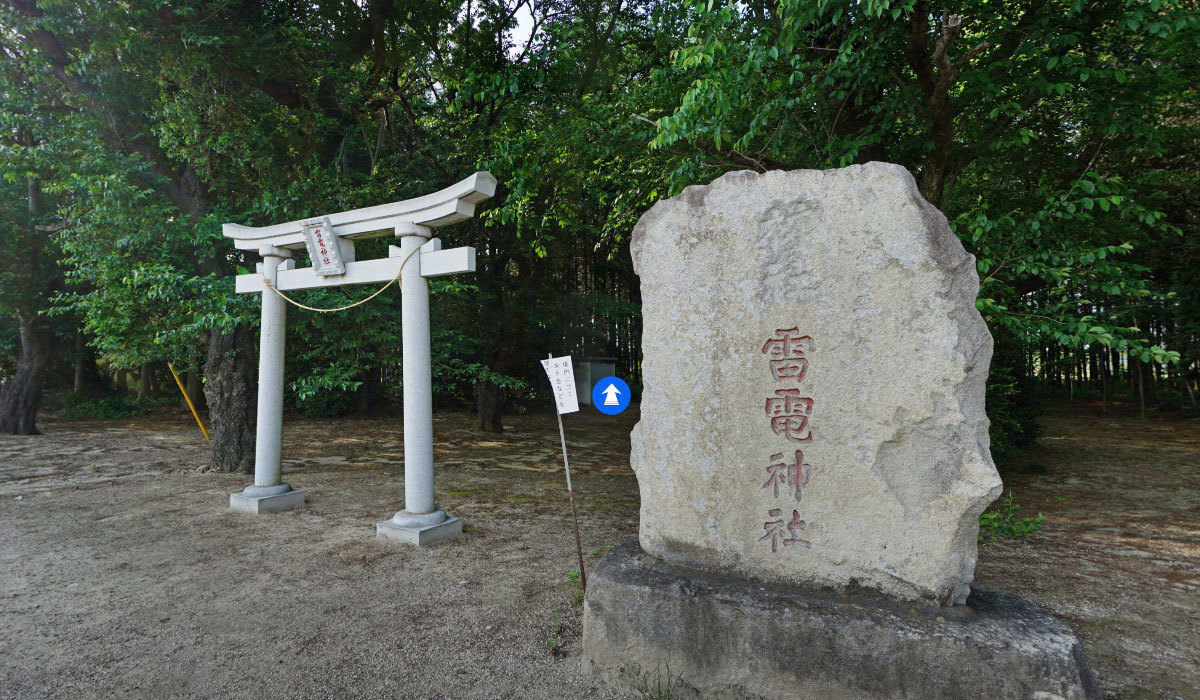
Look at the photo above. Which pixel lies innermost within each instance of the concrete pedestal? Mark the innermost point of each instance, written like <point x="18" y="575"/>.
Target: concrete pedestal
<point x="647" y="621"/>
<point x="422" y="529"/>
<point x="266" y="499"/>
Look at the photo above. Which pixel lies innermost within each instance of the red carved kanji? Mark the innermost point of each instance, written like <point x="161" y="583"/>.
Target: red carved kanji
<point x="794" y="475"/>
<point x="789" y="414"/>
<point x="787" y="349"/>
<point x="775" y="530"/>
<point x="791" y="368"/>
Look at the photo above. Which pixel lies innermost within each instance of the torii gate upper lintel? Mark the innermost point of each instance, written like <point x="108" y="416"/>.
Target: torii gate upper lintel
<point x="411" y="221"/>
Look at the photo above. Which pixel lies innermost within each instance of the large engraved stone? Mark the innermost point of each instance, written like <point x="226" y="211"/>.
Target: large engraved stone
<point x="814" y="372"/>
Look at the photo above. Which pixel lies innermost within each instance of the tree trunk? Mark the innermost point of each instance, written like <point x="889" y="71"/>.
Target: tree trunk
<point x="231" y="390"/>
<point x="163" y="381"/>
<point x="80" y="371"/>
<point x="364" y="398"/>
<point x="21" y="394"/>
<point x="88" y="380"/>
<point x="1103" y="387"/>
<point x="1183" y="374"/>
<point x="145" y="381"/>
<point x="489" y="396"/>
<point x="489" y="403"/>
<point x="123" y="380"/>
<point x="1141" y="387"/>
<point x="192" y="384"/>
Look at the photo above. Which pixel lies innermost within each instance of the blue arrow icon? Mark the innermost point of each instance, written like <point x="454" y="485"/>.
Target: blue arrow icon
<point x="610" y="396"/>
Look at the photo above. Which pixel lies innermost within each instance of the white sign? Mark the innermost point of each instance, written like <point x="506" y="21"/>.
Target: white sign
<point x="562" y="380"/>
<point x="323" y="247"/>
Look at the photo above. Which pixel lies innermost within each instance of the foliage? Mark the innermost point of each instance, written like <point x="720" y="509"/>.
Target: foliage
<point x="1020" y="121"/>
<point x="1012" y="412"/>
<point x="1011" y="401"/>
<point x="1002" y="521"/>
<point x="1058" y="138"/>
<point x="76" y="405"/>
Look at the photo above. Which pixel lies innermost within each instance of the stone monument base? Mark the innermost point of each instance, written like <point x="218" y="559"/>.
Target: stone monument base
<point x="421" y="535"/>
<point x="266" y="499"/>
<point x="649" y="623"/>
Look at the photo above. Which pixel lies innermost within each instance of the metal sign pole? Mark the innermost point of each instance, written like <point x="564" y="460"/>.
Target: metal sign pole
<point x="570" y="493"/>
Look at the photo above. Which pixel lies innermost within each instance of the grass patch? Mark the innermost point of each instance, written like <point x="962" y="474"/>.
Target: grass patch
<point x="656" y="685"/>
<point x="459" y="494"/>
<point x="576" y="584"/>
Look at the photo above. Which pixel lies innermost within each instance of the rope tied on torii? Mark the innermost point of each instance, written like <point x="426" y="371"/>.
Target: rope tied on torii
<point x="330" y="242"/>
<point x="267" y="283"/>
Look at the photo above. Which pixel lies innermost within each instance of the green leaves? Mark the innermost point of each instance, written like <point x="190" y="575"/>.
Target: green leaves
<point x="1056" y="143"/>
<point x="1002" y="521"/>
<point x="1037" y="115"/>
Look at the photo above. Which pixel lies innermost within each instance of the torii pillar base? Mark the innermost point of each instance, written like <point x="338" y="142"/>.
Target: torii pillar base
<point x="266" y="499"/>
<point x="421" y="530"/>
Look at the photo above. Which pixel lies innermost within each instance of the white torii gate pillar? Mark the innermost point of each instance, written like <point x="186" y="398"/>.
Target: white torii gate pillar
<point x="420" y="523"/>
<point x="267" y="494"/>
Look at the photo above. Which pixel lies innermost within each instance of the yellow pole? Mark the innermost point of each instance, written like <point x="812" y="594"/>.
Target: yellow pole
<point x="189" y="402"/>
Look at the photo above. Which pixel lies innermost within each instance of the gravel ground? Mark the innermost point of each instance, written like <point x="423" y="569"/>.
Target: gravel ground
<point x="125" y="574"/>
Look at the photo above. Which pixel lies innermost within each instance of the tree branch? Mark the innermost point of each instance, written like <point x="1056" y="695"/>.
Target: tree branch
<point x="729" y="155"/>
<point x="124" y="132"/>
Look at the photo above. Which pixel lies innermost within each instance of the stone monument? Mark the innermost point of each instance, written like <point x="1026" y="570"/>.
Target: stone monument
<point x="813" y="454"/>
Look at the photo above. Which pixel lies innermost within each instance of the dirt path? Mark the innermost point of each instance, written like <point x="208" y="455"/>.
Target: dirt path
<point x="124" y="574"/>
<point x="1119" y="558"/>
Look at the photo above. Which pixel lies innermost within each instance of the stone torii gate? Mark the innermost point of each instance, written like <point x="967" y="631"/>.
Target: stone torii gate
<point x="330" y="241"/>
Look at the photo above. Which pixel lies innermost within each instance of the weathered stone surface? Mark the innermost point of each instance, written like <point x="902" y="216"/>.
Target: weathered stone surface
<point x="422" y="535"/>
<point x="289" y="498"/>
<point x="729" y="638"/>
<point x="895" y="365"/>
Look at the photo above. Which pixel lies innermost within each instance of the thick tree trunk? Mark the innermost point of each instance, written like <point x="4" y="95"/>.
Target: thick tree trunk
<point x="489" y="396"/>
<point x="21" y="393"/>
<point x="489" y="403"/>
<point x="123" y="380"/>
<point x="231" y="388"/>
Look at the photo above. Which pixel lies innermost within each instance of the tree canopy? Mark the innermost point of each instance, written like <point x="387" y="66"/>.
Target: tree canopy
<point x="1059" y="137"/>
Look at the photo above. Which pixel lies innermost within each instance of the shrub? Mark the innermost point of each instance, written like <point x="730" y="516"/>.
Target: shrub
<point x="83" y="406"/>
<point x="1002" y="521"/>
